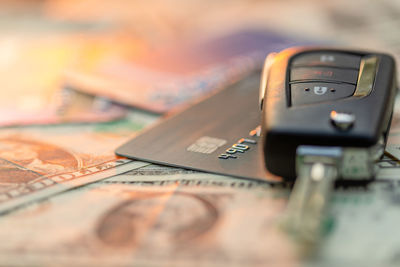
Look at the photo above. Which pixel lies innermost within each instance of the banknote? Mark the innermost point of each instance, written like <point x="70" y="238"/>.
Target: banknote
<point x="362" y="230"/>
<point x="360" y="23"/>
<point x="163" y="77"/>
<point x="31" y="80"/>
<point x="388" y="168"/>
<point x="201" y="223"/>
<point x="124" y="224"/>
<point x="156" y="175"/>
<point x="36" y="162"/>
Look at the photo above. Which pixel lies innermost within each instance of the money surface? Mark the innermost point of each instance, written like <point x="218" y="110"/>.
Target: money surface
<point x="163" y="216"/>
<point x="40" y="161"/>
<point x="125" y="224"/>
<point x="166" y="216"/>
<point x="155" y="175"/>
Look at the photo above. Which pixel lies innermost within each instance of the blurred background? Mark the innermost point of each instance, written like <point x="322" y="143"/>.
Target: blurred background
<point x="99" y="71"/>
<point x="85" y="61"/>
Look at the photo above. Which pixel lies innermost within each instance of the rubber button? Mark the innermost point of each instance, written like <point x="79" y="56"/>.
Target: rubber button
<point x="330" y="59"/>
<point x="324" y="74"/>
<point x="314" y="92"/>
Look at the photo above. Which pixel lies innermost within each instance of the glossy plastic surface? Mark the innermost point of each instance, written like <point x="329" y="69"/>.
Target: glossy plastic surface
<point x="286" y="126"/>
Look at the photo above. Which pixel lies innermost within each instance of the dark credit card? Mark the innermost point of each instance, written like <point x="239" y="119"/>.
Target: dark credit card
<point x="216" y="135"/>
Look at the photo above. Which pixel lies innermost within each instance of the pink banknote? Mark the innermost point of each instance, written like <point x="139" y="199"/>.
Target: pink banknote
<point x="160" y="78"/>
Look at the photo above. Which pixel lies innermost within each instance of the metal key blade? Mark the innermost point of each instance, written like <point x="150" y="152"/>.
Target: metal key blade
<point x="317" y="171"/>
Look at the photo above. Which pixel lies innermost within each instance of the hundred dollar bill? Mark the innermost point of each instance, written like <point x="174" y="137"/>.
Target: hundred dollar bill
<point x="155" y="175"/>
<point x="125" y="225"/>
<point x="36" y="162"/>
<point x="363" y="227"/>
<point x="114" y="222"/>
<point x="361" y="216"/>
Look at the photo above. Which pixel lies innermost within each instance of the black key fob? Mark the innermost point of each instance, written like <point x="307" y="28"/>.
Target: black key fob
<point x="324" y="97"/>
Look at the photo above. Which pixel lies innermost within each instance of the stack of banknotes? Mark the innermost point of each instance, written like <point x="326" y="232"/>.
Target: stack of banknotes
<point x="75" y="85"/>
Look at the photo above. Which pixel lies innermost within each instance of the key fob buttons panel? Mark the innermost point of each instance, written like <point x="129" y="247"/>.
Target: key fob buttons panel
<point x="314" y="92"/>
<point x="324" y="76"/>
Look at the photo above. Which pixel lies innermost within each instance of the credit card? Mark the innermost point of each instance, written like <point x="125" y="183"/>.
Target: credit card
<point x="216" y="135"/>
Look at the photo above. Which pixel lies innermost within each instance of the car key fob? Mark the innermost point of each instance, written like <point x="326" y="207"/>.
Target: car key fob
<point x="324" y="97"/>
<point x="326" y="116"/>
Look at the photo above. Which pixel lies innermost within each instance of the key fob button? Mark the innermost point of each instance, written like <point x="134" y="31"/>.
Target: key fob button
<point x="324" y="74"/>
<point x="314" y="92"/>
<point x="330" y="59"/>
<point x="341" y="120"/>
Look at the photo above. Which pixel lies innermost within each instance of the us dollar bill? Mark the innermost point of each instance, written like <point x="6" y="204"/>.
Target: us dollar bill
<point x="127" y="224"/>
<point x="205" y="221"/>
<point x="156" y="175"/>
<point x="36" y="162"/>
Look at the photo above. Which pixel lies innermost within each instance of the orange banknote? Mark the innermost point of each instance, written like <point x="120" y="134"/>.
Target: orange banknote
<point x="32" y="89"/>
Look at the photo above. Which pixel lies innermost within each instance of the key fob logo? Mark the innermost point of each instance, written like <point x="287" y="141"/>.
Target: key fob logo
<point x="320" y="90"/>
